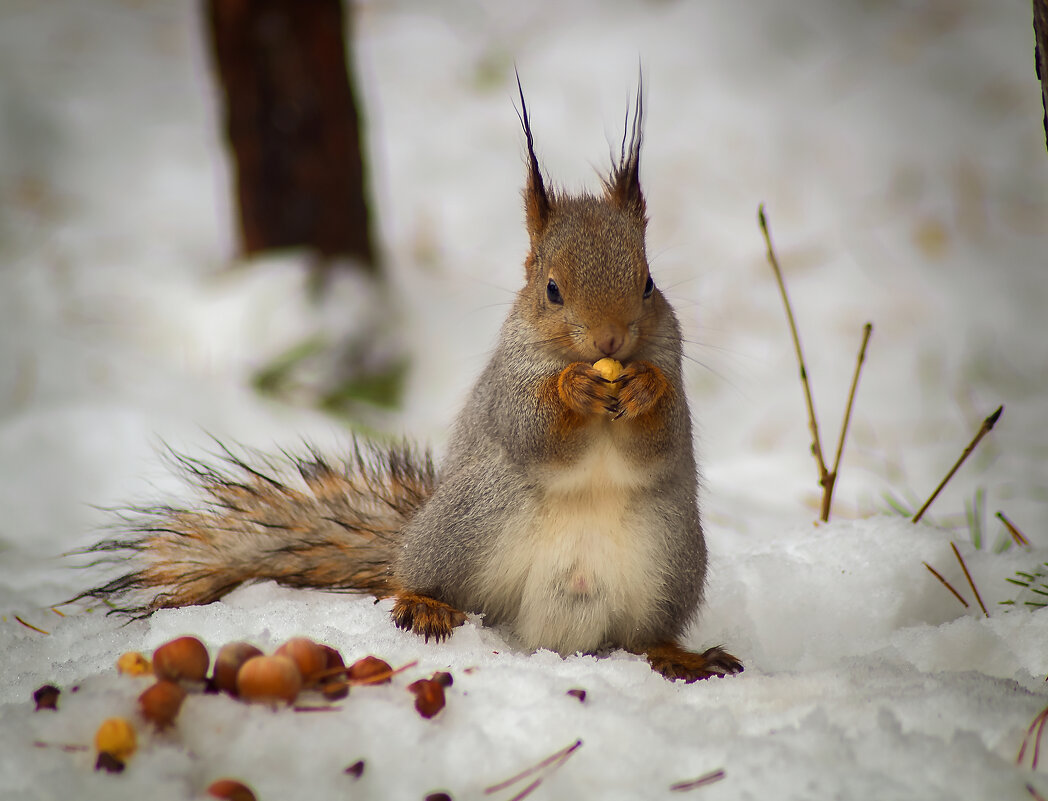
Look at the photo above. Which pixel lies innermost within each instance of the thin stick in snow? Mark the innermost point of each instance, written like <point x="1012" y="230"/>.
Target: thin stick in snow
<point x="831" y="478"/>
<point x="987" y="426"/>
<point x="813" y="424"/>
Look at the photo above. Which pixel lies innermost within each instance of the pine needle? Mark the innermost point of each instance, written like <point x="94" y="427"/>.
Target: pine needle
<point x="1017" y="535"/>
<point x="946" y="584"/>
<point x="968" y="576"/>
<point x="553" y="762"/>
<point x="30" y="625"/>
<point x="702" y="781"/>
<point x="1038" y="723"/>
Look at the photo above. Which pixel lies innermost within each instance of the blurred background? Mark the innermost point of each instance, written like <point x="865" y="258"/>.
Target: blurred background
<point x="271" y="220"/>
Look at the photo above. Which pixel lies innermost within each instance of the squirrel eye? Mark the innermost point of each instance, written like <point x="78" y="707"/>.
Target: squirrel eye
<point x="649" y="287"/>
<point x="553" y="293"/>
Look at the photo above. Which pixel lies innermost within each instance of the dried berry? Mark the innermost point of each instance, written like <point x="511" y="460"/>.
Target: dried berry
<point x="228" y="662"/>
<point x="444" y="678"/>
<point x="310" y="657"/>
<point x="577" y="693"/>
<point x="370" y="670"/>
<point x="160" y="703"/>
<point x="269" y="678"/>
<point x="134" y="663"/>
<point x="429" y="696"/>
<point x="356" y="770"/>
<point x="438" y="797"/>
<point x="231" y="790"/>
<point x="184" y="658"/>
<point x="46" y="697"/>
<point x="116" y="737"/>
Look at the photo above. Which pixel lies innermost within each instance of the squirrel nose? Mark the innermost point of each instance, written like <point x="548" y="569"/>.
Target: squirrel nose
<point x="609" y="341"/>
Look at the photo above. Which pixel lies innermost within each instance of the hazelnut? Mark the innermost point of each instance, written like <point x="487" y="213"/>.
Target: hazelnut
<point x="231" y="790"/>
<point x="184" y="658"/>
<point x="133" y="663"/>
<point x="228" y="662"/>
<point x="116" y="737"/>
<point x="160" y="703"/>
<point x="310" y="657"/>
<point x="269" y="678"/>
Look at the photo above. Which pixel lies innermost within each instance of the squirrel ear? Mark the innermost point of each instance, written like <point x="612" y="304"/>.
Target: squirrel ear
<point x="538" y="203"/>
<point x="623" y="185"/>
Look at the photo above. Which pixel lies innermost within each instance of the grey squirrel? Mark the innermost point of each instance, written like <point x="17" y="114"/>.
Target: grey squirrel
<point x="565" y="510"/>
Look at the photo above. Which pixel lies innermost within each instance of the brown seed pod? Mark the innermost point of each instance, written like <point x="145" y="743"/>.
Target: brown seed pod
<point x="310" y="657"/>
<point x="370" y="670"/>
<point x="134" y="663"/>
<point x="116" y="737"/>
<point x="228" y="662"/>
<point x="429" y="696"/>
<point x="160" y="703"/>
<point x="269" y="678"/>
<point x="183" y="658"/>
<point x="231" y="790"/>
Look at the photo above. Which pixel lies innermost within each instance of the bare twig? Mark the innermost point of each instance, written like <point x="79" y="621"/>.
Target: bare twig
<point x="1036" y="796"/>
<point x="986" y="427"/>
<point x="702" y="781"/>
<point x="553" y="761"/>
<point x="946" y="584"/>
<point x="831" y="477"/>
<point x="1017" y="536"/>
<point x="30" y="625"/>
<point x="968" y="576"/>
<point x="816" y="445"/>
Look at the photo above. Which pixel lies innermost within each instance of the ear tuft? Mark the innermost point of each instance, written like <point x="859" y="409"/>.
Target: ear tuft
<point x="538" y="202"/>
<point x="623" y="185"/>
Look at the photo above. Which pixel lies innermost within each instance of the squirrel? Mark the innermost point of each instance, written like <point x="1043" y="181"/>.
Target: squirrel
<point x="566" y="507"/>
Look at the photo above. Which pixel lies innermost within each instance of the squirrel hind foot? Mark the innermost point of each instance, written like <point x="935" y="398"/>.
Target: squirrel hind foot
<point x="674" y="662"/>
<point x="427" y="617"/>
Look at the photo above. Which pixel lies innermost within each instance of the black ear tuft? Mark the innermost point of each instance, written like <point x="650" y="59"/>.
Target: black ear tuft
<point x="623" y="185"/>
<point x="537" y="201"/>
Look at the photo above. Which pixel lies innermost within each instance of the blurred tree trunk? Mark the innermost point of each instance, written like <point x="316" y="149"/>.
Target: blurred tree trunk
<point x="1040" y="54"/>
<point x="292" y="124"/>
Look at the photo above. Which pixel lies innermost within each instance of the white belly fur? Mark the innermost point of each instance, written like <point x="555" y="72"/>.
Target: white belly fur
<point x="577" y="568"/>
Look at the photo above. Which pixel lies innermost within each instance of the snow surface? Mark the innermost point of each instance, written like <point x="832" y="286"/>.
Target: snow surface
<point x="899" y="151"/>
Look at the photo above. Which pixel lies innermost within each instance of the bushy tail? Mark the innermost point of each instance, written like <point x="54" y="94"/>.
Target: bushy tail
<point x="302" y="521"/>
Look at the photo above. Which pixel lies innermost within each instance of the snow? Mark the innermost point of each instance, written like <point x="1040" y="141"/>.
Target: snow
<point x="899" y="151"/>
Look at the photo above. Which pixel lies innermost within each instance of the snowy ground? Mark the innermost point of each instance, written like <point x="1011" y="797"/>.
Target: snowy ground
<point x="899" y="151"/>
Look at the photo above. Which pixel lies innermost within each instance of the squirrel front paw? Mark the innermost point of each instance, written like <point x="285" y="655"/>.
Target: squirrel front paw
<point x="425" y="616"/>
<point x="584" y="391"/>
<point x="639" y="388"/>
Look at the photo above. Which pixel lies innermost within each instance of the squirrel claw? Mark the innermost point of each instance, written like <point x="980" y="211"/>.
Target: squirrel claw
<point x="675" y="662"/>
<point x="425" y="616"/>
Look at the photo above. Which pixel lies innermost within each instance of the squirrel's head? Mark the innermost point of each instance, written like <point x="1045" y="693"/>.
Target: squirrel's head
<point x="589" y="291"/>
